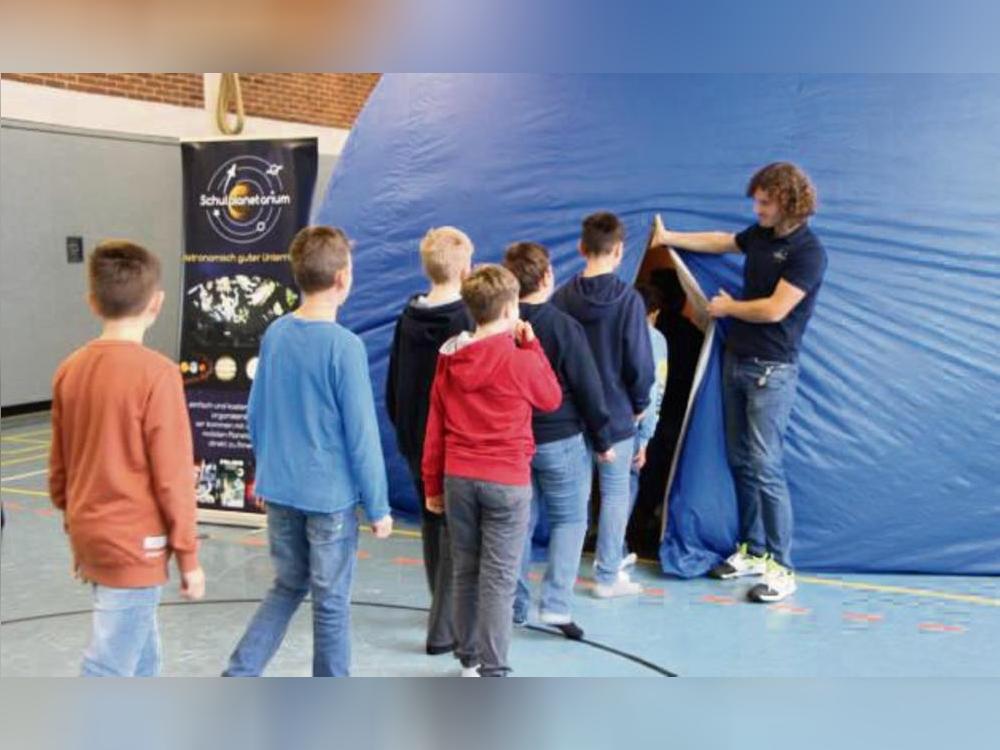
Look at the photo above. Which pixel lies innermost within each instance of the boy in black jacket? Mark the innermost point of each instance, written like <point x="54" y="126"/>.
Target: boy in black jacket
<point x="561" y="470"/>
<point x="614" y="319"/>
<point x="425" y="324"/>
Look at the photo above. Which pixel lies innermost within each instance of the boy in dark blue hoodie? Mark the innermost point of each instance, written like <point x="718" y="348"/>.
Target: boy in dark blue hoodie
<point x="614" y="319"/>
<point x="427" y="321"/>
<point x="561" y="467"/>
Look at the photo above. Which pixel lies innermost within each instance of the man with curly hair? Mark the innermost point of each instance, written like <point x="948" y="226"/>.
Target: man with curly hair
<point x="782" y="274"/>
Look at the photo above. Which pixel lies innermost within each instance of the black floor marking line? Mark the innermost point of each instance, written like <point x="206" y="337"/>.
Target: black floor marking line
<point x="663" y="672"/>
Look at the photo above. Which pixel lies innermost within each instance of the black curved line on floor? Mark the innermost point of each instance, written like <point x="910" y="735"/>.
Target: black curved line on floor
<point x="663" y="672"/>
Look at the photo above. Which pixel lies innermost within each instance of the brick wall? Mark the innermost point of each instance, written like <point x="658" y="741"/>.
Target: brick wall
<point x="183" y="89"/>
<point x="332" y="99"/>
<point x="317" y="98"/>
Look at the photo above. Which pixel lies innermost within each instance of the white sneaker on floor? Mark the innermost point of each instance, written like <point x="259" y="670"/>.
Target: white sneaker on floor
<point x="551" y="618"/>
<point x="629" y="561"/>
<point x="472" y="671"/>
<point x="779" y="583"/>
<point x="623" y="586"/>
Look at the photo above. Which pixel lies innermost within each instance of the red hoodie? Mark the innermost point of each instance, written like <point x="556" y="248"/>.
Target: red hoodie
<point x="479" y="425"/>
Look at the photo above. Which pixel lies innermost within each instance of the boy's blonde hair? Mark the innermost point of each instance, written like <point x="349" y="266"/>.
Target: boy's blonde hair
<point x="487" y="290"/>
<point x="445" y="252"/>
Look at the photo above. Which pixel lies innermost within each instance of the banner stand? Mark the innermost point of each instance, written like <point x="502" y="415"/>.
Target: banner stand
<point x="243" y="202"/>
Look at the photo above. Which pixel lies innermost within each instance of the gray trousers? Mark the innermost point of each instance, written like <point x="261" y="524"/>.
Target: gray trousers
<point x="487" y="523"/>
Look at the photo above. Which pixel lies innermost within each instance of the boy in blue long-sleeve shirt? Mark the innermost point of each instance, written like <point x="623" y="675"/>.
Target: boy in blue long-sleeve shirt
<point x="313" y="427"/>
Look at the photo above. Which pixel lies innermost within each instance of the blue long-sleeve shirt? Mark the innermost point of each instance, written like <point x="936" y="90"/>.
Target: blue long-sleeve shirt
<point x="647" y="425"/>
<point x="312" y="420"/>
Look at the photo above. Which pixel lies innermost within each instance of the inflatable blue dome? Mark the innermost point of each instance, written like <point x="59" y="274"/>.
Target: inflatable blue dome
<point x="893" y="453"/>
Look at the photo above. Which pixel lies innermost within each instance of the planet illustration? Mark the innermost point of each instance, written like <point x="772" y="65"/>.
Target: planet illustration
<point x="239" y="211"/>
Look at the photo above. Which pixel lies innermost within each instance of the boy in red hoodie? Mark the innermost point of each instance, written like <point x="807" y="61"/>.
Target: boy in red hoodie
<point x="477" y="460"/>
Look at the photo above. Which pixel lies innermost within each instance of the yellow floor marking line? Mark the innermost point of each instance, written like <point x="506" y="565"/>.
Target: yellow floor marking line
<point x="39" y="457"/>
<point x="23" y="441"/>
<point x="27" y="449"/>
<point x="32" y="433"/>
<point x="884" y="588"/>
<point x="18" y="491"/>
<point x="24" y="476"/>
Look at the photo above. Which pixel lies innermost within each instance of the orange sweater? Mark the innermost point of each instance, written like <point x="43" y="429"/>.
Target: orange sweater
<point x="122" y="465"/>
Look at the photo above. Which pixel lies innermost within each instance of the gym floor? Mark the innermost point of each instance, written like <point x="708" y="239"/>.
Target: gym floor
<point x="871" y="625"/>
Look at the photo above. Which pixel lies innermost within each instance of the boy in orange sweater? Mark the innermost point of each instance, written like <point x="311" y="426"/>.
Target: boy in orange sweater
<point x="121" y="465"/>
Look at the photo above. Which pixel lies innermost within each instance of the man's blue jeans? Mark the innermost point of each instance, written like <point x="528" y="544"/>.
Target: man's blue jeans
<point x="758" y="402"/>
<point x="312" y="553"/>
<point x="125" y="640"/>
<point x="560" y="481"/>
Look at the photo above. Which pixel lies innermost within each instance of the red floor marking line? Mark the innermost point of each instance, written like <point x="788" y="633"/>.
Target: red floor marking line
<point x="585" y="583"/>
<point x="533" y="576"/>
<point x="654" y="592"/>
<point x="45" y="512"/>
<point x="407" y="561"/>
<point x="940" y="627"/>
<point x="253" y="541"/>
<point x="723" y="600"/>
<point x="790" y="609"/>
<point x="363" y="554"/>
<point x="862" y="617"/>
<point x="12" y="505"/>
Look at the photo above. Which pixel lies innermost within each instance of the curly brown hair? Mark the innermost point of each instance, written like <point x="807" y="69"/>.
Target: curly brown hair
<point x="789" y="186"/>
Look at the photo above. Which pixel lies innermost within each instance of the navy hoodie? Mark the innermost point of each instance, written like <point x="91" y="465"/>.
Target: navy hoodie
<point x="420" y="333"/>
<point x="583" y="406"/>
<point x="614" y="319"/>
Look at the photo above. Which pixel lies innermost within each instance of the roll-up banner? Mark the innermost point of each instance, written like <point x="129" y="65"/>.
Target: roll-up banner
<point x="244" y="200"/>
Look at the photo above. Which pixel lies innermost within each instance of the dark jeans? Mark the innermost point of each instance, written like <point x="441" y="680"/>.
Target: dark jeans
<point x="488" y="523"/>
<point x="311" y="552"/>
<point x="437" y="566"/>
<point x="758" y="401"/>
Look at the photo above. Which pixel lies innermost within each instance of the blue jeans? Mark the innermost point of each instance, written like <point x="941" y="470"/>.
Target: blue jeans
<point x="560" y="482"/>
<point x="633" y="490"/>
<point x="758" y="402"/>
<point x="312" y="553"/>
<point x="126" y="639"/>
<point x="615" y="481"/>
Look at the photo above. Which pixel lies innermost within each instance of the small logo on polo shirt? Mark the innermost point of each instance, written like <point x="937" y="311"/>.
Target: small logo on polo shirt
<point x="780" y="256"/>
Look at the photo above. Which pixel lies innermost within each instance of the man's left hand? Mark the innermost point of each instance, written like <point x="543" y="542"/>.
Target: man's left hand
<point x="720" y="305"/>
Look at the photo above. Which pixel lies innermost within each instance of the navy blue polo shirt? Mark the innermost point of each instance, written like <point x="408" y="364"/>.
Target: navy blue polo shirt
<point x="799" y="259"/>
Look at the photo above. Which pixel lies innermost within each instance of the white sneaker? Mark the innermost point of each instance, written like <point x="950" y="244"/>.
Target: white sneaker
<point x="739" y="564"/>
<point x="629" y="561"/>
<point x="779" y="583"/>
<point x="551" y="618"/>
<point x="623" y="586"/>
<point x="472" y="671"/>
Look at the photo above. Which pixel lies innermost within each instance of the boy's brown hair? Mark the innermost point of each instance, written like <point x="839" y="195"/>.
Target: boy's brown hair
<point x="528" y="261"/>
<point x="487" y="289"/>
<point x="789" y="186"/>
<point x="123" y="277"/>
<point x="318" y="254"/>
<point x="445" y="252"/>
<point x="601" y="232"/>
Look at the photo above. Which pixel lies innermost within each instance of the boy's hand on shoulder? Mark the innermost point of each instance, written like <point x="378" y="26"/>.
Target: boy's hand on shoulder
<point x="435" y="504"/>
<point x="382" y="528"/>
<point x="193" y="584"/>
<point x="523" y="333"/>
